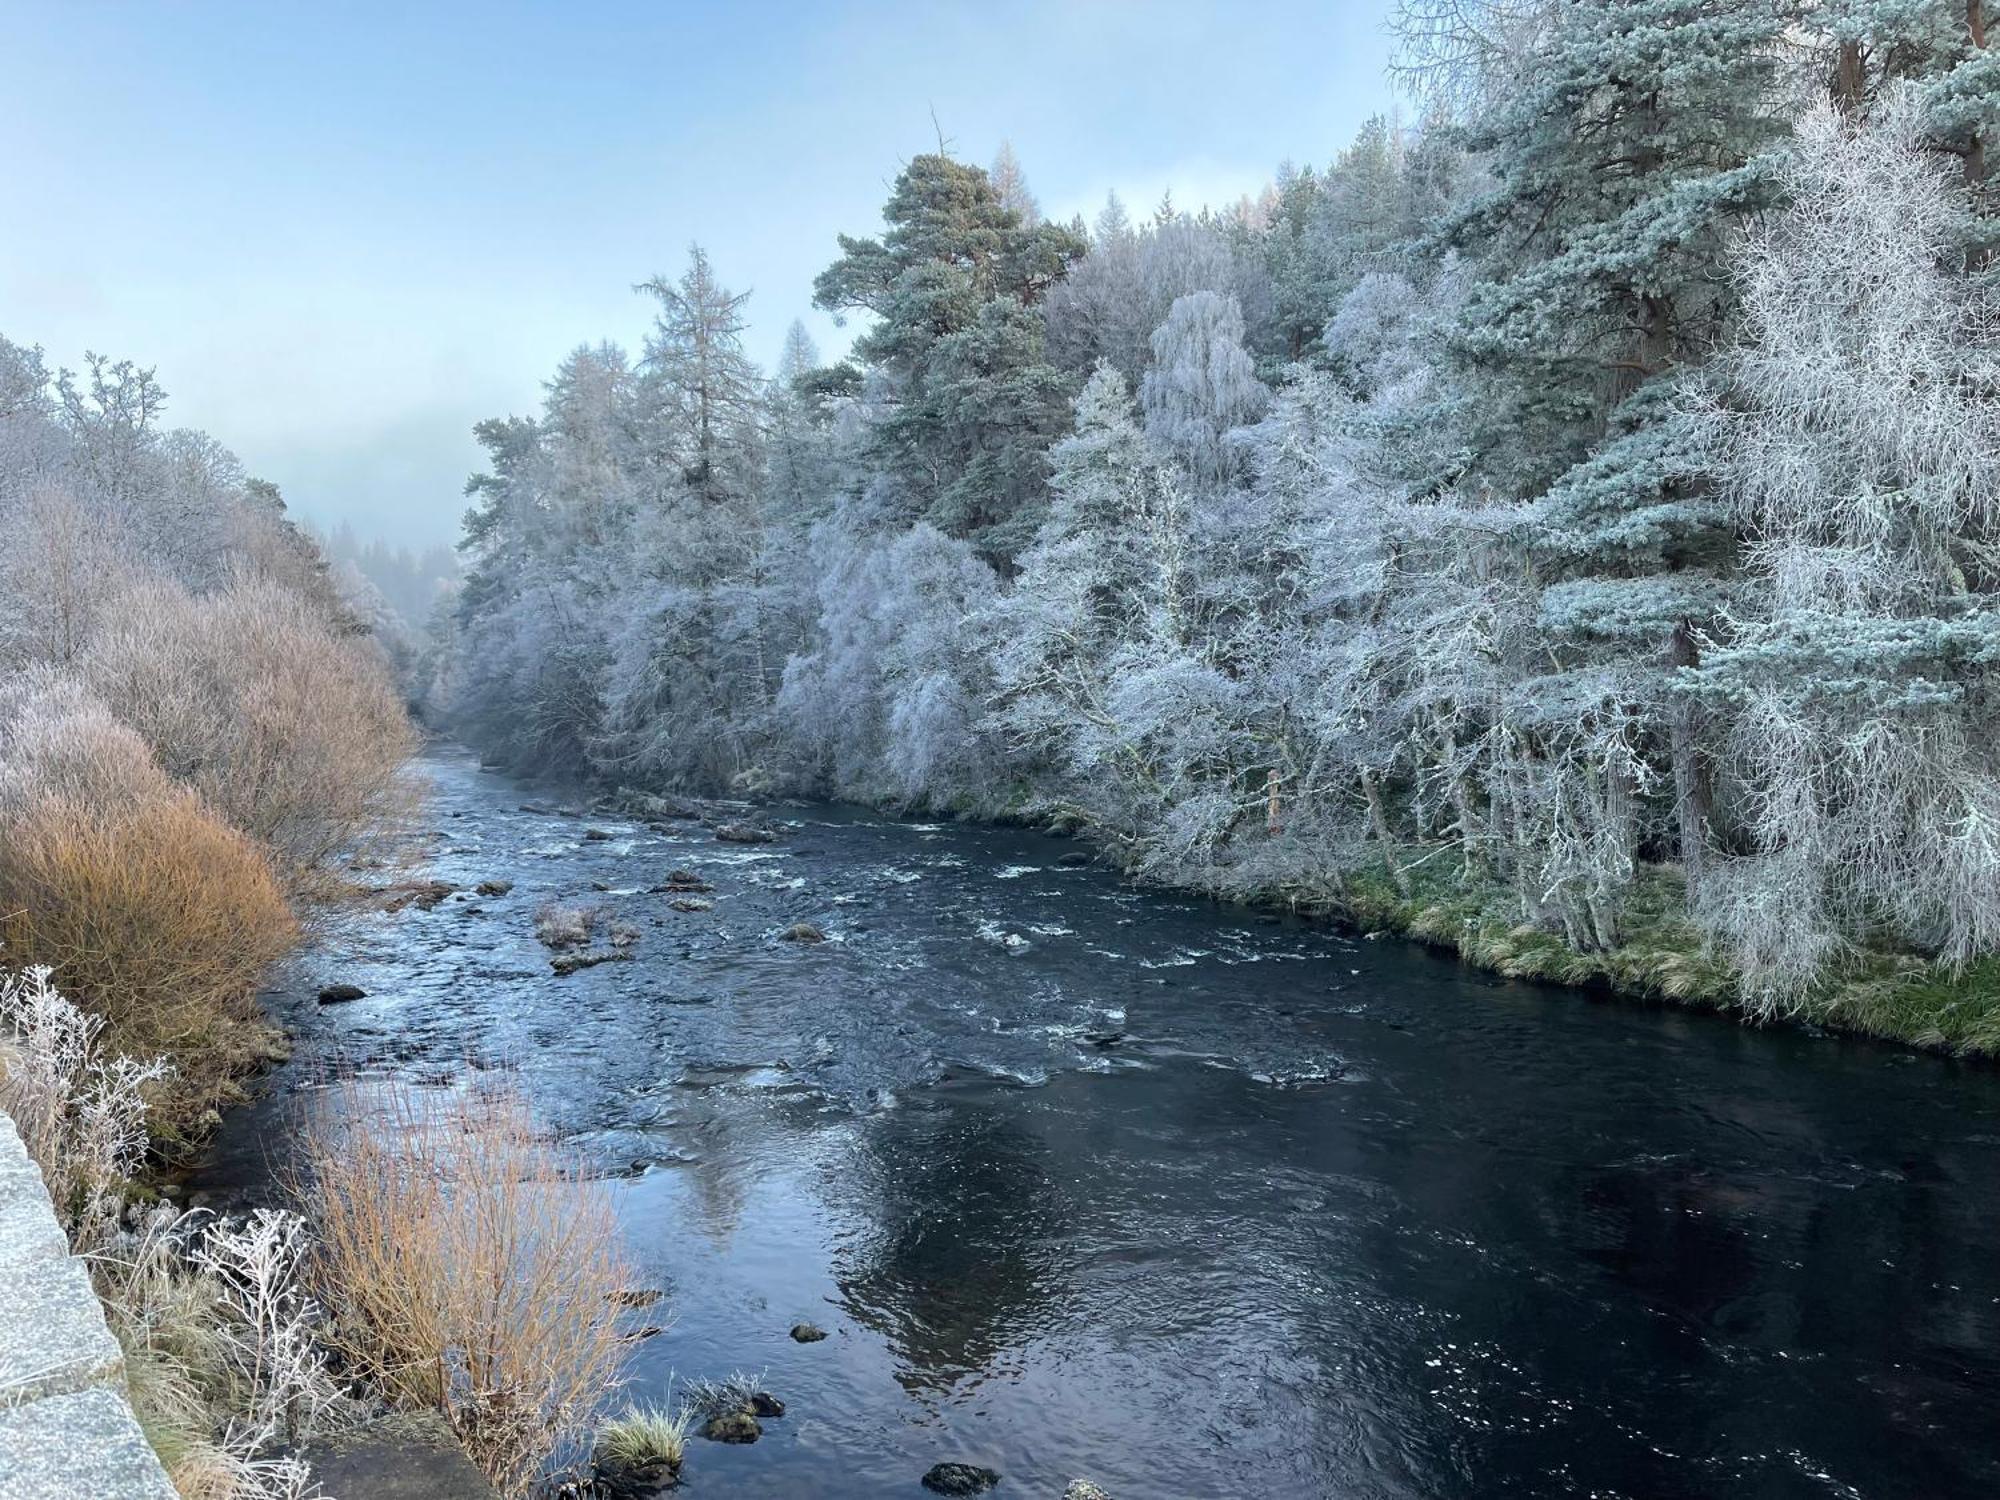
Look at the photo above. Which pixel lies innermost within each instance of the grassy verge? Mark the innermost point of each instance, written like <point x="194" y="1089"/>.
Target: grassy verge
<point x="1895" y="997"/>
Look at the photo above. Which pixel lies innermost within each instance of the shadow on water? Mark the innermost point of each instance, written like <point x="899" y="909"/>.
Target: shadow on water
<point x="1090" y="1181"/>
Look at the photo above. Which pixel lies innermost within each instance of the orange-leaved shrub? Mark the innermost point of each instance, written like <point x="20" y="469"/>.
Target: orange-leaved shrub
<point x="471" y="1265"/>
<point x="154" y="913"/>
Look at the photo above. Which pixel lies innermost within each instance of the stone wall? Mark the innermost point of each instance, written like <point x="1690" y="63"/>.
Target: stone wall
<point x="66" y="1425"/>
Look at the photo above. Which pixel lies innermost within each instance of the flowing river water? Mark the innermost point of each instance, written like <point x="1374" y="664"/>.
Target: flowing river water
<point x="1091" y="1181"/>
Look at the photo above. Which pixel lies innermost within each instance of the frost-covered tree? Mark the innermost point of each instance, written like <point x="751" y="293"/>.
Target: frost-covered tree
<point x="1106" y="309"/>
<point x="1201" y="387"/>
<point x="1856" y="435"/>
<point x="887" y="704"/>
<point x="1010" y="186"/>
<point x="708" y="388"/>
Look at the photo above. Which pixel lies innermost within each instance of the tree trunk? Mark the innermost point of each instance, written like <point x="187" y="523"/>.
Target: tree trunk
<point x="1378" y="823"/>
<point x="1694" y="794"/>
<point x="1849" y="78"/>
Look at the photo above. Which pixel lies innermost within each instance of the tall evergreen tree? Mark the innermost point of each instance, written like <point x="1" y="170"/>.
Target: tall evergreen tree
<point x="968" y="400"/>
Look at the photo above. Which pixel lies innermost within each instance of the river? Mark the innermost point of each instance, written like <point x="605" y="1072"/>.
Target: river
<point x="1092" y="1181"/>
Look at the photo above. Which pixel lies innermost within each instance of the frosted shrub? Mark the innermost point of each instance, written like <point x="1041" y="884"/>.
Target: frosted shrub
<point x="251" y="696"/>
<point x="159" y="918"/>
<point x="81" y="1113"/>
<point x="222" y="1342"/>
<point x="218" y="1334"/>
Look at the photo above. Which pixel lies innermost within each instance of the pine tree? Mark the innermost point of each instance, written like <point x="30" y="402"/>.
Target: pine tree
<point x="968" y="401"/>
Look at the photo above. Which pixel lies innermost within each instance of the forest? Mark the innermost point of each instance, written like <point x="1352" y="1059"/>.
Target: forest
<point x="1562" y="528"/>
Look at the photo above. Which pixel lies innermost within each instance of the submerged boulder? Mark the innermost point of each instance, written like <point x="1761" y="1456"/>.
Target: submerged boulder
<point x="569" y="963"/>
<point x="960" y="1479"/>
<point x="733" y="1427"/>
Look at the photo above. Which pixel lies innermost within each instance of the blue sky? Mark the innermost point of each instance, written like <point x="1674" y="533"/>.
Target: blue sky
<point x="344" y="233"/>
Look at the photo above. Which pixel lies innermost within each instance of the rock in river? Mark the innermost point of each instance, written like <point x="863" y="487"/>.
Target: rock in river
<point x="808" y="1333"/>
<point x="959" y="1479"/>
<point x="733" y="1427"/>
<point x="764" y="1404"/>
<point x="619" y="1479"/>
<point x="569" y="963"/>
<point x="333" y="994"/>
<point x="743" y="833"/>
<point x="802" y="932"/>
<point x="494" y="887"/>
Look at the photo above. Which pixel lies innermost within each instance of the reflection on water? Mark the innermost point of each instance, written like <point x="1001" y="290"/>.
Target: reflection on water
<point x="1088" y="1181"/>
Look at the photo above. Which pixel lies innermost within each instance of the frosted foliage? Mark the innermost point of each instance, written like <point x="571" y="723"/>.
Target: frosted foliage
<point x="1578" y="500"/>
<point x="1202" y="386"/>
<point x="1854" y="435"/>
<point x="81" y="1113"/>
<point x="884" y="705"/>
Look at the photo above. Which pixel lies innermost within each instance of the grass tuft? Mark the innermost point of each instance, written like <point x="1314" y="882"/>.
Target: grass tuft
<point x="644" y="1436"/>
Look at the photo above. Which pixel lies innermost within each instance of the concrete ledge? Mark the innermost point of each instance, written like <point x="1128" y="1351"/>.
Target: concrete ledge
<point x="87" y="1443"/>
<point x="66" y="1424"/>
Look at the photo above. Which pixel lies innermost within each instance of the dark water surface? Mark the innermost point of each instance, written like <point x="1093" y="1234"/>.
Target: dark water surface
<point x="1090" y="1181"/>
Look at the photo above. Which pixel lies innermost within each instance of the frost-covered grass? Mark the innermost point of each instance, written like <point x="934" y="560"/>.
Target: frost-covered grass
<point x="645" y="1435"/>
<point x="1664" y="956"/>
<point x="219" y="1337"/>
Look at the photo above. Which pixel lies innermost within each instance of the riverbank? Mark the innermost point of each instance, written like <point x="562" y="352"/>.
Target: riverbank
<point x="1664" y="958"/>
